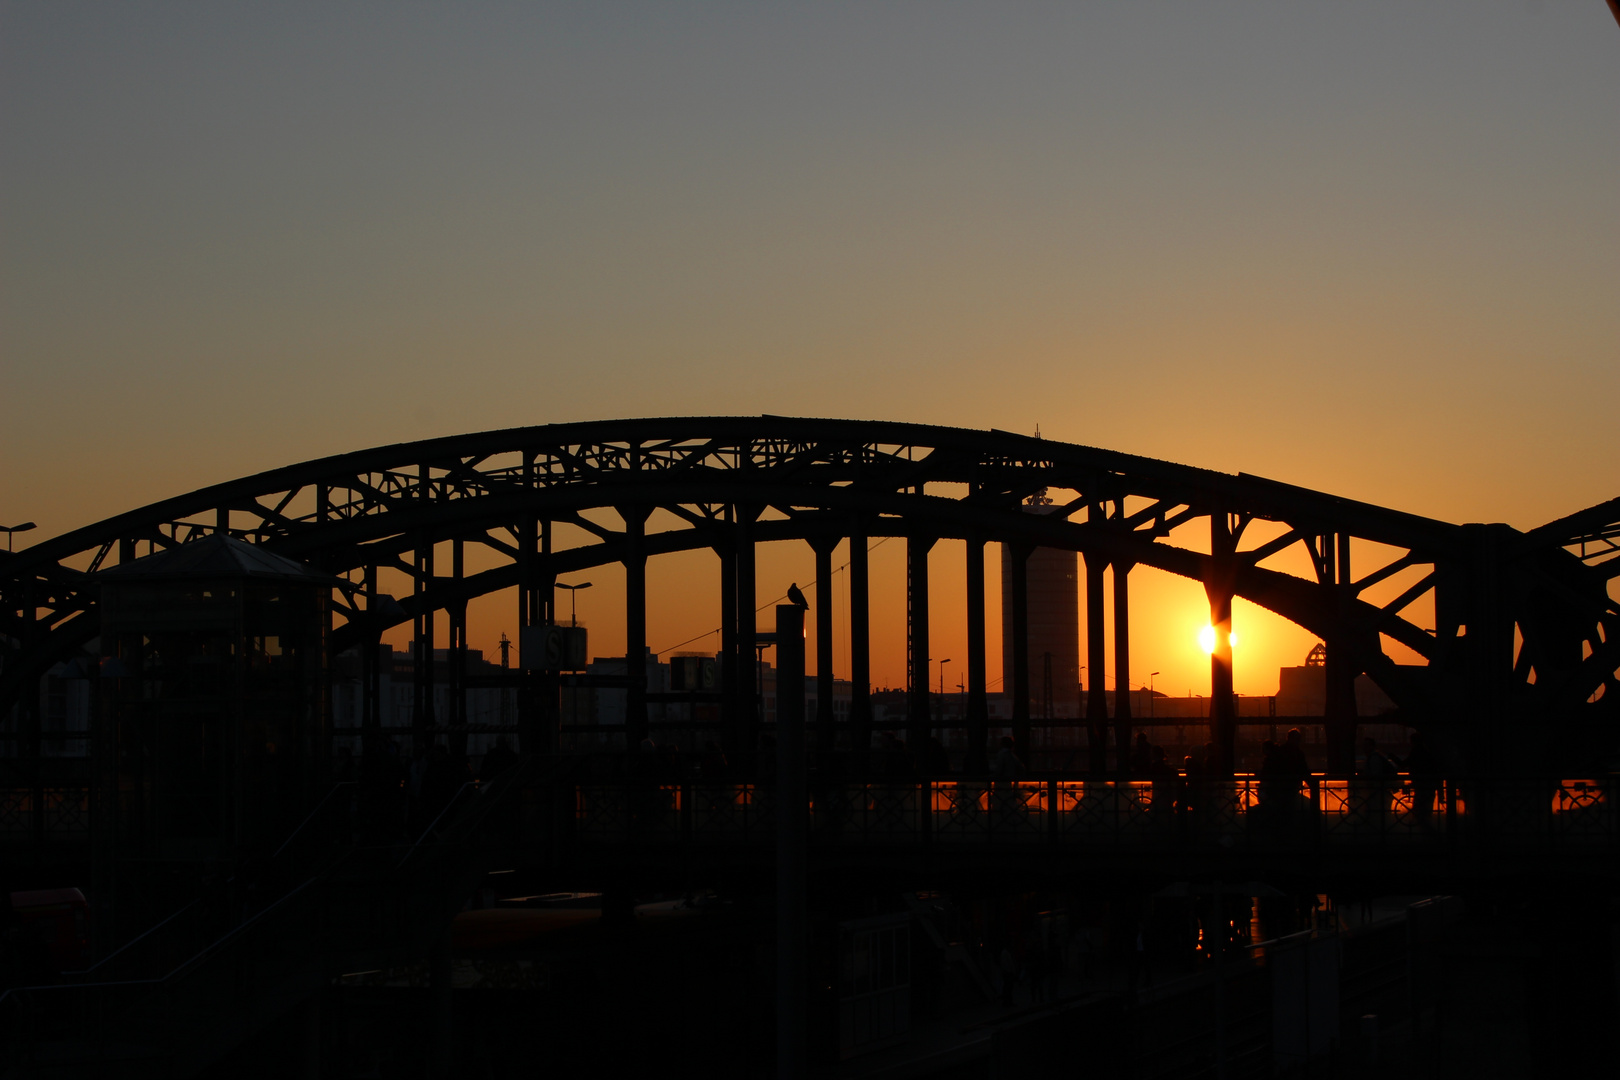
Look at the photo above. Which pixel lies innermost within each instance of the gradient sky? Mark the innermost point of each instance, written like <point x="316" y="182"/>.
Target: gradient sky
<point x="1368" y="248"/>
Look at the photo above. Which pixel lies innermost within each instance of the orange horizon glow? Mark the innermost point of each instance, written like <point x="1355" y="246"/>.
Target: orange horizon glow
<point x="1247" y="238"/>
<point x="683" y="604"/>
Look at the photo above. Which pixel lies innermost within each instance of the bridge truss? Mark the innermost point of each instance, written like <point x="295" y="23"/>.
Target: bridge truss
<point x="1513" y="632"/>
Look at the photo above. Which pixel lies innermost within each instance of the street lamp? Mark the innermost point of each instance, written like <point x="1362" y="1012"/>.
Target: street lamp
<point x="942" y="664"/>
<point x="1150" y="692"/>
<point x="9" y="529"/>
<point x="573" y="612"/>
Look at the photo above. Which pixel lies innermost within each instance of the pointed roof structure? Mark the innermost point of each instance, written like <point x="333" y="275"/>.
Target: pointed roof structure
<point x="216" y="556"/>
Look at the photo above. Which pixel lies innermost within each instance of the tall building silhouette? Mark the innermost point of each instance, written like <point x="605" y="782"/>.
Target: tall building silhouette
<point x="1053" y="581"/>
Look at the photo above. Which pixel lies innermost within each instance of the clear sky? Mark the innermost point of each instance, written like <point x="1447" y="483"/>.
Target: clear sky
<point x="1369" y="248"/>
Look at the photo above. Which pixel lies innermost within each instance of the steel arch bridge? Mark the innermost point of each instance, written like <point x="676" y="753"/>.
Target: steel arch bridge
<point x="1524" y="631"/>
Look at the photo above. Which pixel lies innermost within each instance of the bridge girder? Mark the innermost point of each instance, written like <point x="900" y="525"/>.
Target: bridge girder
<point x="807" y="479"/>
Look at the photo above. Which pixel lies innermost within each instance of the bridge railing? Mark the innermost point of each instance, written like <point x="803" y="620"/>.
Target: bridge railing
<point x="1243" y="811"/>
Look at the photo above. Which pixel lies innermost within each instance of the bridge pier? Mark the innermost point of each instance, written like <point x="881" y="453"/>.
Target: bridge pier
<point x="977" y="762"/>
<point x="1097" y="692"/>
<point x="1339" y="719"/>
<point x="457" y="610"/>
<point x="537" y="582"/>
<point x="1483" y="642"/>
<point x="545" y="607"/>
<point x="730" y="672"/>
<point x="919" y="725"/>
<point x="1122" y="665"/>
<point x="1020" y="553"/>
<point x="371" y="673"/>
<point x="635" y="625"/>
<point x="422" y="711"/>
<point x="824" y="546"/>
<point x="442" y="1025"/>
<point x="792" y="831"/>
<point x="1219" y="588"/>
<point x="1344" y="658"/>
<point x="860" y="646"/>
<point x="746" y="633"/>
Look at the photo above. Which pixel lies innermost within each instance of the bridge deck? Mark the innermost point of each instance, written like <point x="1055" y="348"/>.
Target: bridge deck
<point x="1334" y="827"/>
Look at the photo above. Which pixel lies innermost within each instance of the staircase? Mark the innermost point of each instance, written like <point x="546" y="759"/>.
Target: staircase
<point x="189" y="990"/>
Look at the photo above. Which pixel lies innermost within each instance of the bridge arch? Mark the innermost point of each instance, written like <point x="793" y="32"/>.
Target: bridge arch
<point x="733" y="482"/>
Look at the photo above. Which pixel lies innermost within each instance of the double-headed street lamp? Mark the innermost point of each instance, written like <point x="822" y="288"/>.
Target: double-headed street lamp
<point x="9" y="529"/>
<point x="573" y="590"/>
<point x="1150" y="692"/>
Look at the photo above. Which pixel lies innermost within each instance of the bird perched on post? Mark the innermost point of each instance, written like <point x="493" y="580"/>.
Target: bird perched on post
<point x="797" y="597"/>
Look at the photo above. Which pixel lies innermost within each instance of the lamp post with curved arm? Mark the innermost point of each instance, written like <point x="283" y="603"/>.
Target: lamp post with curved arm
<point x="9" y="529"/>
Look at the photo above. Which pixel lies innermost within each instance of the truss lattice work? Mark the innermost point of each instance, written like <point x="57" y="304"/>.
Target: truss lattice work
<point x="1524" y="628"/>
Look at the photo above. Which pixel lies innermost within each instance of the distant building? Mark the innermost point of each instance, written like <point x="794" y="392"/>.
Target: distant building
<point x="1302" y="691"/>
<point x="486" y="706"/>
<point x="1053" y="589"/>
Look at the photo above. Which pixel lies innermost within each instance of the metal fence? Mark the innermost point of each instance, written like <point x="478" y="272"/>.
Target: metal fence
<point x="1241" y="812"/>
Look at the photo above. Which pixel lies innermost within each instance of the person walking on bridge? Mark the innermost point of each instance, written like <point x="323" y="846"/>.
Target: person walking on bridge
<point x="1378" y="779"/>
<point x="1424" y="769"/>
<point x="1005" y="765"/>
<point x="1005" y="769"/>
<point x="1295" y="770"/>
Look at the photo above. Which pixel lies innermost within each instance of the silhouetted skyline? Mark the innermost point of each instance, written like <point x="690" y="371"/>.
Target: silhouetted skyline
<point x="1364" y="250"/>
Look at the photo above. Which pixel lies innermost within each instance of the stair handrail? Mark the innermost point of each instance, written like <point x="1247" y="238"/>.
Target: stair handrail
<point x="491" y="792"/>
<point x="236" y="931"/>
<point x="319" y="808"/>
<point x="449" y="805"/>
<point x="488" y="795"/>
<point x="84" y="975"/>
<point x="132" y="942"/>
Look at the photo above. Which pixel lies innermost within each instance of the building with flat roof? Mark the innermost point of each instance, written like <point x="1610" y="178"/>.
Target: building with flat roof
<point x="1052" y="580"/>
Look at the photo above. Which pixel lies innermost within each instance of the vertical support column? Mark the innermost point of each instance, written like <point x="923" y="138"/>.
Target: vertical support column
<point x="635" y="624"/>
<point x="104" y="812"/>
<point x="429" y="634"/>
<point x="748" y="703"/>
<point x="371" y="674"/>
<point x="443" y="1022"/>
<point x="31" y="744"/>
<point x="918" y="721"/>
<point x="547" y="595"/>
<point x="730" y="670"/>
<point x="860" y="646"/>
<point x="1487" y="659"/>
<point x="792" y="924"/>
<point x="423" y="718"/>
<point x="978" y="704"/>
<point x="1341" y="668"/>
<point x="824" y="547"/>
<point x="317" y="774"/>
<point x="544" y="605"/>
<point x="1122" y="665"/>
<point x="1020" y="648"/>
<point x="1219" y="588"/>
<point x="1046" y="686"/>
<point x="531" y="735"/>
<point x="1097" y="693"/>
<point x="309" y="1020"/>
<point x="458" y="654"/>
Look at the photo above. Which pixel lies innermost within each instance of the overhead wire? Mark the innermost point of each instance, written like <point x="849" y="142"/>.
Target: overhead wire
<point x="769" y="603"/>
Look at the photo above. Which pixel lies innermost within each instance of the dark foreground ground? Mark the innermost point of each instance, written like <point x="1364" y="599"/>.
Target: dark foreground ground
<point x="1495" y="986"/>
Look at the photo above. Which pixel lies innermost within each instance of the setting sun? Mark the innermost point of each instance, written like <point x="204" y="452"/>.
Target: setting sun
<point x="1206" y="639"/>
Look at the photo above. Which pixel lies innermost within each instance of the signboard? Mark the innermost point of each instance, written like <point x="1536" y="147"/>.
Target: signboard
<point x="694" y="673"/>
<point x="552" y="648"/>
